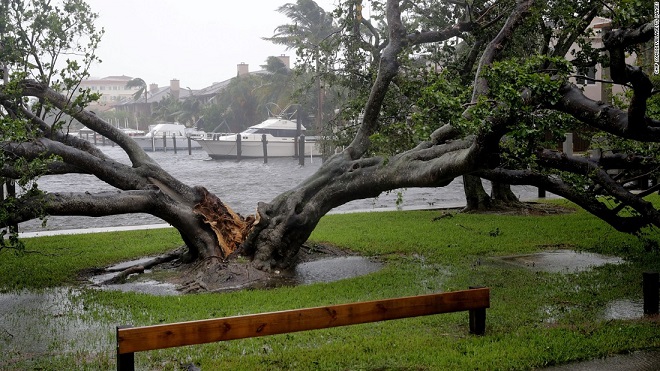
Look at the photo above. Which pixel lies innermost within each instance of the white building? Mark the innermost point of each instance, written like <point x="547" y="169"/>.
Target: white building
<point x="112" y="89"/>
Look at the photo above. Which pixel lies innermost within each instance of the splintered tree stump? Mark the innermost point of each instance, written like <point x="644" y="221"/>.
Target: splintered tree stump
<point x="230" y="227"/>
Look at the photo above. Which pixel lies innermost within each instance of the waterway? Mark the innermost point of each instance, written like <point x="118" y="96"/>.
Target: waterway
<point x="241" y="185"/>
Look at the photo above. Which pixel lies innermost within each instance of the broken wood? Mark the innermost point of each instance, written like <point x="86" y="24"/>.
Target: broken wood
<point x="230" y="227"/>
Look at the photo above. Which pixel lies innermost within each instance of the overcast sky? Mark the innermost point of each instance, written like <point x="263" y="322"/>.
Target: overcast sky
<point x="198" y="42"/>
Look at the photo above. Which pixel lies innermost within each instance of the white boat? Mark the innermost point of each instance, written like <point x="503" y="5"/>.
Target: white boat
<point x="280" y="139"/>
<point x="162" y="136"/>
<point x="132" y="132"/>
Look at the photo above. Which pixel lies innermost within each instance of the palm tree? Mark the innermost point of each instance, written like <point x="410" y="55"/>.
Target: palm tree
<point x="167" y="109"/>
<point x="138" y="83"/>
<point x="189" y="111"/>
<point x="142" y="89"/>
<point x="311" y="25"/>
<point x="277" y="85"/>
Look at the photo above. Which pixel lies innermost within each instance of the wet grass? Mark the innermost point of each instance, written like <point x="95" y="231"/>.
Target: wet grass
<point x="57" y="260"/>
<point x="536" y="318"/>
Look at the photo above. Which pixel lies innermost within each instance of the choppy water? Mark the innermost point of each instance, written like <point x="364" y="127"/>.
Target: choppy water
<point x="240" y="184"/>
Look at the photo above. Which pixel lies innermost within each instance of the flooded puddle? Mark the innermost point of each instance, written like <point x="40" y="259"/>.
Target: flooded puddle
<point x="141" y="284"/>
<point x="151" y="287"/>
<point x="624" y="309"/>
<point x="47" y="322"/>
<point x="561" y="261"/>
<point x="334" y="269"/>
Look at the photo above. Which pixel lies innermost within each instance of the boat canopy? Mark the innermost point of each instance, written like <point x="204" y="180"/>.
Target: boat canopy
<point x="168" y="128"/>
<point x="277" y="123"/>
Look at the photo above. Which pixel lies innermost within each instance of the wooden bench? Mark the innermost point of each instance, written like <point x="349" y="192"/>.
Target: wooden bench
<point x="138" y="339"/>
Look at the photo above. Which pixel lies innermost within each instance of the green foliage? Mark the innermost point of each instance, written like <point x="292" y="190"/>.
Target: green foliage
<point x="519" y="86"/>
<point x="441" y="102"/>
<point x="507" y="80"/>
<point x="630" y="13"/>
<point x="653" y="104"/>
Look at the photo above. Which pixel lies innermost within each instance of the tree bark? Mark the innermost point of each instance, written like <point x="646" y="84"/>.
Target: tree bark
<point x="475" y="196"/>
<point x="502" y="194"/>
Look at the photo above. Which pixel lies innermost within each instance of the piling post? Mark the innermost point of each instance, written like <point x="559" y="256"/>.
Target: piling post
<point x="189" y="145"/>
<point x="174" y="142"/>
<point x="296" y="146"/>
<point x="301" y="150"/>
<point x="238" y="147"/>
<point x="103" y="140"/>
<point x="164" y="142"/>
<point x="153" y="143"/>
<point x="568" y="144"/>
<point x="651" y="288"/>
<point x="264" y="142"/>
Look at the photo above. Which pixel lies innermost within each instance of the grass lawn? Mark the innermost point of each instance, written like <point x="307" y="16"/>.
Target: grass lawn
<point x="536" y="318"/>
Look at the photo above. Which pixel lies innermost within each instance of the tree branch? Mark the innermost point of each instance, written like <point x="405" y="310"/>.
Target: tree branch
<point x="109" y="171"/>
<point x="631" y="224"/>
<point x="82" y="204"/>
<point x="497" y="44"/>
<point x="604" y="116"/>
<point x="387" y="70"/>
<point x="615" y="42"/>
<point x="442" y="35"/>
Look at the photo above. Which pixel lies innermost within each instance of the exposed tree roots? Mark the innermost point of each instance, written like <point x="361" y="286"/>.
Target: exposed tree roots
<point x="522" y="208"/>
<point x="218" y="275"/>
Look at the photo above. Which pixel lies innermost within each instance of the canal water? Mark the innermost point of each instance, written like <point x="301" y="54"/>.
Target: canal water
<point x="241" y="185"/>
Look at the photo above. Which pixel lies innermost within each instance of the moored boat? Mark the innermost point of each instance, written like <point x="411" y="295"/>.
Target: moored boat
<point x="162" y="136"/>
<point x="280" y="135"/>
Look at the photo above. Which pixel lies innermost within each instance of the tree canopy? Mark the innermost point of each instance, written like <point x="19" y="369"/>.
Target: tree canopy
<point x="433" y="90"/>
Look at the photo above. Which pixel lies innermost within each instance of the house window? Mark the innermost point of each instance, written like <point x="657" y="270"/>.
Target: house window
<point x="589" y="72"/>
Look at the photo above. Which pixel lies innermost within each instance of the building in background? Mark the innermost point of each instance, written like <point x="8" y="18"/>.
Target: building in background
<point x="112" y="89"/>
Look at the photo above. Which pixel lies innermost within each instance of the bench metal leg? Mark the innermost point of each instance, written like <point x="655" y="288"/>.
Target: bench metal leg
<point x="478" y="321"/>
<point x="126" y="361"/>
<point x="477" y="318"/>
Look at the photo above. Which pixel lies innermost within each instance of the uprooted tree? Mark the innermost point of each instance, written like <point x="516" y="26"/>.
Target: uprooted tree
<point x="504" y="130"/>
